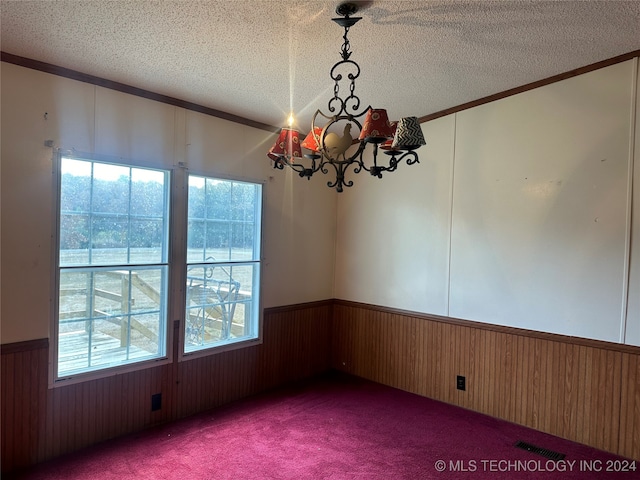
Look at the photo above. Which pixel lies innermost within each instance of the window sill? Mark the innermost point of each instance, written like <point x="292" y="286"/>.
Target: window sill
<point x="108" y="372"/>
<point x="220" y="349"/>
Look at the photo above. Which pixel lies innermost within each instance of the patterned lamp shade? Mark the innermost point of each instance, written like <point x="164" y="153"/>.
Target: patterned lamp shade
<point x="408" y="134"/>
<point x="310" y="142"/>
<point x="376" y="128"/>
<point x="387" y="144"/>
<point x="272" y="155"/>
<point x="288" y="144"/>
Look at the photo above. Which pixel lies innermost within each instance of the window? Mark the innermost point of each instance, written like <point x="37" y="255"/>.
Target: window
<point x="112" y="265"/>
<point x="223" y="262"/>
<point x="117" y="278"/>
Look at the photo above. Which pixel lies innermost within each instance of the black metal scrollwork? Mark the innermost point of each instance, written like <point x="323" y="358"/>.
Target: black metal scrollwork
<point x="344" y="110"/>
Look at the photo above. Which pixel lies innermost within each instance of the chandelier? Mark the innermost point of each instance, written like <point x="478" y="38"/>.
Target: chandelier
<point x="331" y="152"/>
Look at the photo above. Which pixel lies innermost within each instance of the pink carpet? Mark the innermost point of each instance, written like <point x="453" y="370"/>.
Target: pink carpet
<point x="334" y="427"/>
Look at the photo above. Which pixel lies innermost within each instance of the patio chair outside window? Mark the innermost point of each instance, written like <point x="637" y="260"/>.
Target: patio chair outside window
<point x="211" y="303"/>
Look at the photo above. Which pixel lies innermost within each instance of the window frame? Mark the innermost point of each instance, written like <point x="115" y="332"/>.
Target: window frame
<point x="55" y="380"/>
<point x="226" y="347"/>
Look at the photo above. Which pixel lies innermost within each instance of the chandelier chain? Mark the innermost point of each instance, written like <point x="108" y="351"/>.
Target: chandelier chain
<point x="346" y="47"/>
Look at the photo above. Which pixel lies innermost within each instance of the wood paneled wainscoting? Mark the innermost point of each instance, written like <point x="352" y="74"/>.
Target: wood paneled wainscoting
<point x="39" y="423"/>
<point x="582" y="390"/>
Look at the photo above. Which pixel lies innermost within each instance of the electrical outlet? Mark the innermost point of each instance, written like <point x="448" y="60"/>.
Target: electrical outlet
<point x="156" y="402"/>
<point x="461" y="382"/>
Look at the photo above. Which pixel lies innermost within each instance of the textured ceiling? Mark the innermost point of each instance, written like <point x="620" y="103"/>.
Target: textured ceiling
<point x="259" y="59"/>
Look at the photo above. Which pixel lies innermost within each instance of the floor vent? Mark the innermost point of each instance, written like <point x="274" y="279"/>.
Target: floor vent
<point x="550" y="454"/>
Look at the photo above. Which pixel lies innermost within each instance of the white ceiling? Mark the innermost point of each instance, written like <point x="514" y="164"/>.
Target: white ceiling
<point x="261" y="58"/>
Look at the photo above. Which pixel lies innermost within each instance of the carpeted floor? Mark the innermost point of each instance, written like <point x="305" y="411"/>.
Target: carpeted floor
<point x="335" y="427"/>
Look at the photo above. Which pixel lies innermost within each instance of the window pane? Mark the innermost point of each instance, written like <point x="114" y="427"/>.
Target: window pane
<point x="110" y="188"/>
<point x="217" y="238"/>
<point x="73" y="346"/>
<point x="75" y="204"/>
<point x="195" y="240"/>
<point x="212" y="296"/>
<point x="222" y="295"/>
<point x="76" y="186"/>
<point x="147" y="239"/>
<point x="74" y="239"/>
<point x="109" y="317"/>
<point x="218" y="199"/>
<point x="243" y="202"/>
<point x="108" y="343"/>
<point x="242" y="241"/>
<point x="110" y="312"/>
<point x="74" y="299"/>
<point x="196" y="197"/>
<point x="147" y="193"/>
<point x="244" y="275"/>
<point x="98" y="223"/>
<point x="110" y="239"/>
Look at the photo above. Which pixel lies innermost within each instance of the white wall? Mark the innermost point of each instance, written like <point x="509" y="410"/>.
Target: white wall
<point x="517" y="213"/>
<point x="633" y="312"/>
<point x="393" y="232"/>
<point x="525" y="203"/>
<point x="299" y="220"/>
<point x="540" y="207"/>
